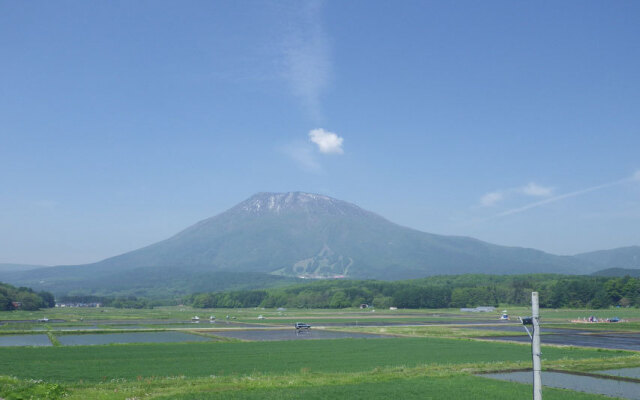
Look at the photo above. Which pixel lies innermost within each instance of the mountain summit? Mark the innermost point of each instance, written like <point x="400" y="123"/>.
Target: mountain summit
<point x="277" y="203"/>
<point x="292" y="234"/>
<point x="312" y="236"/>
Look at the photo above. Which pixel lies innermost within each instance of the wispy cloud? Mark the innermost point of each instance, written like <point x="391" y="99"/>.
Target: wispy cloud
<point x="307" y="154"/>
<point x="307" y="60"/>
<point x="304" y="155"/>
<point x="327" y="142"/>
<point x="634" y="178"/>
<point x="531" y="189"/>
<point x="491" y="199"/>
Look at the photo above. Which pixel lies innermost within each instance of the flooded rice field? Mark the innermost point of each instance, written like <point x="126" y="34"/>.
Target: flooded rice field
<point x="85" y="339"/>
<point x="587" y="384"/>
<point x="132" y="337"/>
<point x="292" y="334"/>
<point x="225" y="324"/>
<point x="142" y="324"/>
<point x="519" y="329"/>
<point x="413" y="323"/>
<point x="71" y="328"/>
<point x="624" y="372"/>
<point x="610" y="340"/>
<point x="24" y="340"/>
<point x="29" y="321"/>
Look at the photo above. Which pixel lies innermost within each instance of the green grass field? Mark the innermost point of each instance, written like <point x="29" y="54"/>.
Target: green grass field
<point x="100" y="363"/>
<point x="433" y="362"/>
<point x="462" y="387"/>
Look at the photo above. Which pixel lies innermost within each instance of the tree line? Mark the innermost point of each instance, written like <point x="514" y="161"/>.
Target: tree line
<point x="23" y="298"/>
<point x="469" y="290"/>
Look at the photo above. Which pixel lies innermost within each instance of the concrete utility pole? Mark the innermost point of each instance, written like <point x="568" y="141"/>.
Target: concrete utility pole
<point x="535" y="347"/>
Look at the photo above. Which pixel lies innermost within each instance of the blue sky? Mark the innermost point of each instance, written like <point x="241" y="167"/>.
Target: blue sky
<point x="123" y="122"/>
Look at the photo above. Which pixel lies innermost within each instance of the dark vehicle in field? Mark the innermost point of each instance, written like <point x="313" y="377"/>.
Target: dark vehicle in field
<point x="302" y="325"/>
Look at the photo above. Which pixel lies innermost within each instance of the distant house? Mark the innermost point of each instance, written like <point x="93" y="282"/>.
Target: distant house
<point x="479" y="309"/>
<point x="96" y="305"/>
<point x="364" y="305"/>
<point x="16" y="304"/>
<point x="393" y="308"/>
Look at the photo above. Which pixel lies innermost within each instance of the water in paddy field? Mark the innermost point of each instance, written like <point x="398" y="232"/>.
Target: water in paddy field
<point x="587" y="384"/>
<point x="626" y="372"/>
<point x="25" y="340"/>
<point x="291" y="334"/>
<point x="603" y="340"/>
<point x="133" y="337"/>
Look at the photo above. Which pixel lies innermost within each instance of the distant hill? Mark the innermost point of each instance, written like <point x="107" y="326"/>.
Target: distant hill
<point x="152" y="282"/>
<point x="297" y="235"/>
<point x="622" y="257"/>
<point x="619" y="272"/>
<point x="18" y="267"/>
<point x="308" y="235"/>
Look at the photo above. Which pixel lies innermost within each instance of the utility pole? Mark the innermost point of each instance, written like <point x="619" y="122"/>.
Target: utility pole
<point x="535" y="347"/>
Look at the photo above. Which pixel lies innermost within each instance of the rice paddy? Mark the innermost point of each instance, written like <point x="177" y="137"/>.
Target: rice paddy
<point x="124" y="354"/>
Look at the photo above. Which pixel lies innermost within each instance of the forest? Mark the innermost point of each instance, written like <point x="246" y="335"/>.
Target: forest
<point x="23" y="298"/>
<point x="469" y="290"/>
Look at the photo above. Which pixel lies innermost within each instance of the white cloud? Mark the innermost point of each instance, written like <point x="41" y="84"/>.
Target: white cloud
<point x="306" y="52"/>
<point x="327" y="142"/>
<point x="304" y="156"/>
<point x="491" y="199"/>
<point x="533" y="189"/>
<point x="632" y="178"/>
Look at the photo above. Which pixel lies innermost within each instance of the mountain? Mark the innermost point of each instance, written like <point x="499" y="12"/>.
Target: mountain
<point x="619" y="272"/>
<point x="4" y="267"/>
<point x="301" y="235"/>
<point x="152" y="282"/>
<point x="622" y="257"/>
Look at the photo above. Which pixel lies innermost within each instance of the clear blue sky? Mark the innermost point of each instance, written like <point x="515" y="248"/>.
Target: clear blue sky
<point x="124" y="122"/>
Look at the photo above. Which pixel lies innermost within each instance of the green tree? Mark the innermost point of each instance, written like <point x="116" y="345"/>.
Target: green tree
<point x="47" y="299"/>
<point x="30" y="301"/>
<point x="339" y="300"/>
<point x="383" y="301"/>
<point x="5" y="303"/>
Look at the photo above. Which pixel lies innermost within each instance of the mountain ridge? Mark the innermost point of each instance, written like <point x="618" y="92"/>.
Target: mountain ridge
<point x="299" y="234"/>
<point x="620" y="257"/>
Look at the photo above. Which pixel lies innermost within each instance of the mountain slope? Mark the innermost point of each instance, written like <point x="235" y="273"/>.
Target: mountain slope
<point x="4" y="267"/>
<point x="309" y="235"/>
<point x="313" y="235"/>
<point x="622" y="257"/>
<point x="619" y="272"/>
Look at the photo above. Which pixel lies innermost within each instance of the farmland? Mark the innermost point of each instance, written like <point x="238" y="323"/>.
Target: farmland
<point x="426" y="353"/>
